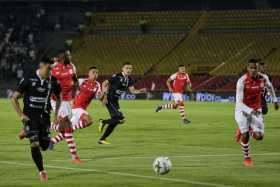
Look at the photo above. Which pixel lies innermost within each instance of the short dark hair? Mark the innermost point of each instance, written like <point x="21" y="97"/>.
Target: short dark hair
<point x="181" y="65"/>
<point x="126" y="63"/>
<point x="46" y="61"/>
<point x="92" y="67"/>
<point x="253" y="61"/>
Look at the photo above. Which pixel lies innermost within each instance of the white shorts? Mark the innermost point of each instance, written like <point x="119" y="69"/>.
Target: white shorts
<point x="65" y="109"/>
<point x="76" y="115"/>
<point x="244" y="122"/>
<point x="177" y="97"/>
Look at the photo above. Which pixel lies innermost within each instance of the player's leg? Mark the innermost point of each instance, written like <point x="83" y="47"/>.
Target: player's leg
<point x="72" y="145"/>
<point x="68" y="134"/>
<point x="81" y="119"/>
<point x="116" y="118"/>
<point x="65" y="123"/>
<point x="171" y="105"/>
<point x="21" y="134"/>
<point x="54" y="126"/>
<point x="44" y="133"/>
<point x="112" y="112"/>
<point x="110" y="128"/>
<point x="59" y="136"/>
<point x="32" y="132"/>
<point x="243" y="125"/>
<point x="178" y="98"/>
<point x="257" y="127"/>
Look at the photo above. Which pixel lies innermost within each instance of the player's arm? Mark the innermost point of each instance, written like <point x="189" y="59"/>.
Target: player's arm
<point x="133" y="90"/>
<point x="104" y="90"/>
<point x="16" y="105"/>
<point x="168" y="83"/>
<point x="101" y="92"/>
<point x="189" y="84"/>
<point x="75" y="85"/>
<point x="75" y="81"/>
<point x="189" y="87"/>
<point x="56" y="90"/>
<point x="105" y="86"/>
<point x="271" y="91"/>
<point x="239" y="100"/>
<point x="14" y="99"/>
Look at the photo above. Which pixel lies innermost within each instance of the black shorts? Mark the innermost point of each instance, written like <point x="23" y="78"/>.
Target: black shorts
<point x="37" y="128"/>
<point x="113" y="108"/>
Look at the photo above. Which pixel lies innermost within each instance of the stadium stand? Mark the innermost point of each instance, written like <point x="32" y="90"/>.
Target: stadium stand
<point x="110" y="52"/>
<point x="215" y="43"/>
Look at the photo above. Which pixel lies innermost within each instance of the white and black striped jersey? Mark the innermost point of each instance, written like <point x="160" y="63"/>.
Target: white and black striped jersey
<point x="36" y="93"/>
<point x="118" y="85"/>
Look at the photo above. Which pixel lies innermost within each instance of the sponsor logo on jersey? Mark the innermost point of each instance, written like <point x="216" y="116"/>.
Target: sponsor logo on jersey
<point x="40" y="89"/>
<point x="37" y="99"/>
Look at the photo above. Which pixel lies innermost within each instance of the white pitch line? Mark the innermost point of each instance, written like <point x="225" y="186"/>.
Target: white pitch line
<point x="170" y="156"/>
<point x="124" y="174"/>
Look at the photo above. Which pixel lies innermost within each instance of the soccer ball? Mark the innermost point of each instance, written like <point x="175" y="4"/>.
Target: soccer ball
<point x="162" y="165"/>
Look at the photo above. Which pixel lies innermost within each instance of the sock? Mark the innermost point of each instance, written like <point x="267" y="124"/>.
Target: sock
<point x="56" y="139"/>
<point x="251" y="132"/>
<point x="182" y="111"/>
<point x="54" y="127"/>
<point x="108" y="131"/>
<point x="246" y="149"/>
<point x="254" y="135"/>
<point x="81" y="124"/>
<point x="112" y="123"/>
<point x="71" y="143"/>
<point x="37" y="157"/>
<point x="169" y="106"/>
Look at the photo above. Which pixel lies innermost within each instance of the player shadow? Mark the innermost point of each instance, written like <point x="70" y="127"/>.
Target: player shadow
<point x="101" y="157"/>
<point x="74" y="174"/>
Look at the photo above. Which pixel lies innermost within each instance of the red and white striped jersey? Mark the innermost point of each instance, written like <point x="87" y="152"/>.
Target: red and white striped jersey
<point x="64" y="73"/>
<point x="249" y="91"/>
<point x="179" y="82"/>
<point x="87" y="91"/>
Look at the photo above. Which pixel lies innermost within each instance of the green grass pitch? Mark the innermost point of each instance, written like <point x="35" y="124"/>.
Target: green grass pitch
<point x="203" y="153"/>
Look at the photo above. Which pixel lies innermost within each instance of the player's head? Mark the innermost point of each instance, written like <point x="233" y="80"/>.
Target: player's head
<point x="182" y="68"/>
<point x="93" y="73"/>
<point x="252" y="67"/>
<point x="68" y="56"/>
<point x="45" y="68"/>
<point x="64" y="57"/>
<point x="261" y="67"/>
<point x="127" y="68"/>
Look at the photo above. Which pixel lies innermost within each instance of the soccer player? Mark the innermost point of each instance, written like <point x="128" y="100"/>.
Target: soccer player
<point x="180" y="81"/>
<point x="264" y="94"/>
<point x="248" y="110"/>
<point x="88" y="90"/>
<point x="65" y="72"/>
<point x="116" y="86"/>
<point x="36" y="89"/>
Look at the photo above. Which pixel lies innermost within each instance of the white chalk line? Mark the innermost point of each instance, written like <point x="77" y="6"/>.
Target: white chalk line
<point x="173" y="156"/>
<point x="123" y="174"/>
